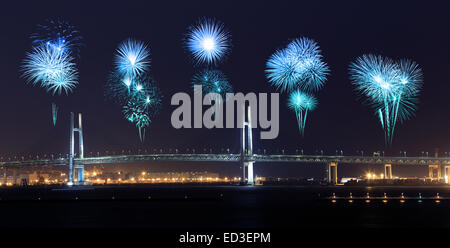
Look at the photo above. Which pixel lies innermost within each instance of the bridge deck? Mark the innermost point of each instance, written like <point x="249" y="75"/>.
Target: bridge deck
<point x="235" y="158"/>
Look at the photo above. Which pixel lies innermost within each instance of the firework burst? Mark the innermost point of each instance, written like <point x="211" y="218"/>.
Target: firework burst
<point x="143" y="103"/>
<point x="136" y="113"/>
<point x="301" y="102"/>
<point x="299" y="65"/>
<point x="213" y="81"/>
<point x="132" y="58"/>
<point x="52" y="68"/>
<point x="208" y="41"/>
<point x="391" y="88"/>
<point x="58" y="34"/>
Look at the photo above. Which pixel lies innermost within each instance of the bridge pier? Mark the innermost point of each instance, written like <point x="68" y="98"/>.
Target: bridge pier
<point x="14" y="176"/>
<point x="332" y="173"/>
<point x="388" y="171"/>
<point x="431" y="172"/>
<point x="5" y="178"/>
<point x="79" y="168"/>
<point x="250" y="178"/>
<point x="445" y="173"/>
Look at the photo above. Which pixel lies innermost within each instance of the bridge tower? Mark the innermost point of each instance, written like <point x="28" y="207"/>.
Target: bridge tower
<point x="79" y="168"/>
<point x="247" y="147"/>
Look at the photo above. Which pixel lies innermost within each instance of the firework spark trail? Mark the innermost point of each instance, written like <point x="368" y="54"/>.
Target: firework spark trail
<point x="391" y="88"/>
<point x="301" y="103"/>
<point x="208" y="41"/>
<point x="54" y="113"/>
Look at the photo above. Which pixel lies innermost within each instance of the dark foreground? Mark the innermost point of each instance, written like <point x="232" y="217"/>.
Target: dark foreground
<point x="203" y="206"/>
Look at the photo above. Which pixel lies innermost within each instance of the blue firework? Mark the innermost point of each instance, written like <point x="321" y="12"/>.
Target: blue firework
<point x="299" y="65"/>
<point x="136" y="113"/>
<point x="132" y="58"/>
<point x="59" y="34"/>
<point x="391" y="88"/>
<point x="208" y="41"/>
<point x="52" y="68"/>
<point x="282" y="71"/>
<point x="121" y="88"/>
<point x="143" y="103"/>
<point x="212" y="81"/>
<point x="301" y="103"/>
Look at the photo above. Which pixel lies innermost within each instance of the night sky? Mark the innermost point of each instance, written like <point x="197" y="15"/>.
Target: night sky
<point x="344" y="30"/>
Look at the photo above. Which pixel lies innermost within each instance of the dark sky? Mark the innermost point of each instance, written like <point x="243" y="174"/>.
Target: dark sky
<point x="344" y="29"/>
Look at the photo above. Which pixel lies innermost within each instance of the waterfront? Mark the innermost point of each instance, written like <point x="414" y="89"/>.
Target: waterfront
<point x="219" y="206"/>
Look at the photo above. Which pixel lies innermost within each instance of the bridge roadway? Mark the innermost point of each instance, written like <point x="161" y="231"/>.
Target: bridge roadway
<point x="258" y="158"/>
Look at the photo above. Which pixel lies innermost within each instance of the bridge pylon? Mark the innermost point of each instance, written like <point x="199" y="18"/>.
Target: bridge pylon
<point x="247" y="147"/>
<point x="75" y="168"/>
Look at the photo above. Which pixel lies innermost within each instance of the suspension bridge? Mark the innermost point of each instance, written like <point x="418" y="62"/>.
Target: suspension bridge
<point x="439" y="167"/>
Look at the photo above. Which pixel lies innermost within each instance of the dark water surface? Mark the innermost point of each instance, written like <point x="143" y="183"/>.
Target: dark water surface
<point x="202" y="206"/>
